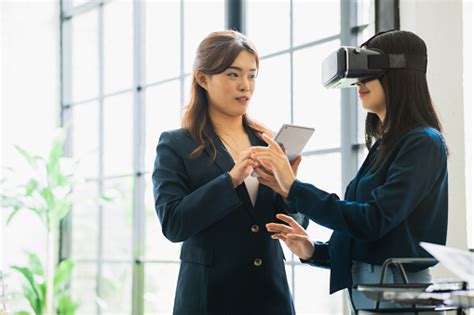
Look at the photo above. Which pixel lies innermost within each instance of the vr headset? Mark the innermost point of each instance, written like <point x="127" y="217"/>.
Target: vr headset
<point x="349" y="65"/>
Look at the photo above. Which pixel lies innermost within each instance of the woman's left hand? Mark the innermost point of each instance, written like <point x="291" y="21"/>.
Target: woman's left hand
<point x="273" y="158"/>
<point x="294" y="236"/>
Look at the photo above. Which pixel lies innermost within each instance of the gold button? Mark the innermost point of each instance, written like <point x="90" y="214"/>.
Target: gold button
<point x="255" y="228"/>
<point x="257" y="262"/>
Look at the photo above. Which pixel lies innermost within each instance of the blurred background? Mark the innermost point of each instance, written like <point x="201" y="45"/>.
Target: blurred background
<point x="119" y="72"/>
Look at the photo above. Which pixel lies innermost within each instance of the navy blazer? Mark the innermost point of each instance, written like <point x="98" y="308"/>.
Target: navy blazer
<point x="387" y="211"/>
<point x="229" y="262"/>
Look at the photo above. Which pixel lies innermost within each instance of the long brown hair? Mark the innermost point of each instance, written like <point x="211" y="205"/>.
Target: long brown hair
<point x="214" y="55"/>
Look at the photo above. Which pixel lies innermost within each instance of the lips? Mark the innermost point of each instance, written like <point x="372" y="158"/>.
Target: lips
<point x="362" y="93"/>
<point x="242" y="99"/>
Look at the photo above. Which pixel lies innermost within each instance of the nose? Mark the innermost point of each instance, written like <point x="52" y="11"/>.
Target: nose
<point x="244" y="84"/>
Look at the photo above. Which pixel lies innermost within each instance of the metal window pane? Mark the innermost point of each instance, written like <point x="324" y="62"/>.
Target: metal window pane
<point x="117" y="219"/>
<point x="323" y="171"/>
<point x="187" y="92"/>
<point x="85" y="138"/>
<point x="313" y="20"/>
<point x="162" y="41"/>
<point x="271" y="102"/>
<point x="160" y="287"/>
<point x="116" y="288"/>
<point x="85" y="56"/>
<point x="118" y="46"/>
<point x="269" y="32"/>
<point x="83" y="287"/>
<point x="118" y="151"/>
<point x="200" y="18"/>
<point x="289" y="274"/>
<point x="315" y="105"/>
<point x="163" y="106"/>
<point x="85" y="230"/>
<point x="80" y="2"/>
<point x="157" y="247"/>
<point x="312" y="293"/>
<point x="365" y="12"/>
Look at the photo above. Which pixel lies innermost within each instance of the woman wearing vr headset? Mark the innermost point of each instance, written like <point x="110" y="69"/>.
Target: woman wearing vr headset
<point x="398" y="197"/>
<point x="206" y="198"/>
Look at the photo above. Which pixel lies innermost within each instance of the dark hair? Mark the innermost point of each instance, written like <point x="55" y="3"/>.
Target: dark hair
<point x="214" y="55"/>
<point x="408" y="101"/>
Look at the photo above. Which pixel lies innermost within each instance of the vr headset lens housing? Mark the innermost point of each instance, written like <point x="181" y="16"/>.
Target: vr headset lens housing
<point x="349" y="65"/>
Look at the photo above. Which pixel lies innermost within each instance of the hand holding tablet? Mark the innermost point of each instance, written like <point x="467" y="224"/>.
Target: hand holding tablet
<point x="292" y="139"/>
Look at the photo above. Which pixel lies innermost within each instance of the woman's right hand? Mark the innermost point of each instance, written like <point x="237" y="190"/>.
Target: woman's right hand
<point x="294" y="236"/>
<point x="242" y="168"/>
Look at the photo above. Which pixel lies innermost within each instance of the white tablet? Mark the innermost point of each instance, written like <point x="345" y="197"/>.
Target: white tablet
<point x="293" y="138"/>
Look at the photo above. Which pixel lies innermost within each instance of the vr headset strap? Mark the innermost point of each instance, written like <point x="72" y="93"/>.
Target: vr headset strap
<point x="398" y="61"/>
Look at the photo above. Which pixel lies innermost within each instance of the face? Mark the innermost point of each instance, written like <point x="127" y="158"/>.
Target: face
<point x="229" y="92"/>
<point x="373" y="97"/>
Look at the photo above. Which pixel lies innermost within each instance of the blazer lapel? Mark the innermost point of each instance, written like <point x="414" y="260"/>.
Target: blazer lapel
<point x="225" y="162"/>
<point x="262" y="189"/>
<point x="223" y="159"/>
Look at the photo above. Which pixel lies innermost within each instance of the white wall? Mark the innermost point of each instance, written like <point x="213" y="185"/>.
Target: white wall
<point x="440" y="24"/>
<point x="468" y="11"/>
<point x="29" y="44"/>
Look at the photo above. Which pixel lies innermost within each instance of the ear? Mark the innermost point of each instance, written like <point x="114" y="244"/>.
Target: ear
<point x="201" y="79"/>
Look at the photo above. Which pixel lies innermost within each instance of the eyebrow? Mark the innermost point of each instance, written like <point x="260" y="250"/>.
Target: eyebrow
<point x="240" y="69"/>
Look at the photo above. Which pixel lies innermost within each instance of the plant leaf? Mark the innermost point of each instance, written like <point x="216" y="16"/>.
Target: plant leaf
<point x="21" y="313"/>
<point x="31" y="186"/>
<point x="14" y="212"/>
<point x="32" y="292"/>
<point x="30" y="158"/>
<point x="35" y="264"/>
<point x="66" y="306"/>
<point x="62" y="208"/>
<point x="35" y="303"/>
<point x="63" y="273"/>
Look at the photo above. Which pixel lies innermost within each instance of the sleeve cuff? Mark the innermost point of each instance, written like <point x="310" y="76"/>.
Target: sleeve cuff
<point x="320" y="256"/>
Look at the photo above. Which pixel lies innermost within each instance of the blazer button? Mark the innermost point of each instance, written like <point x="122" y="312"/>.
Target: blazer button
<point x="254" y="228"/>
<point x="257" y="262"/>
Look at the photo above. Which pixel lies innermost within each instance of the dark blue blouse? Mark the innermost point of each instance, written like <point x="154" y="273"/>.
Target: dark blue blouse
<point x="386" y="212"/>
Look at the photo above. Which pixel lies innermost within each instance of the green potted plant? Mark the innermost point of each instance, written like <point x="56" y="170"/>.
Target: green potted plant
<point x="48" y="192"/>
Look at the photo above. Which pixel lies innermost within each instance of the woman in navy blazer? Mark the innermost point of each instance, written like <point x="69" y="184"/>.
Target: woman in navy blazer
<point x="206" y="198"/>
<point x="399" y="196"/>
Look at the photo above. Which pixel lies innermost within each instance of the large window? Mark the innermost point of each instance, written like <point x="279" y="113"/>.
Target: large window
<point x="289" y="90"/>
<point x="126" y="69"/>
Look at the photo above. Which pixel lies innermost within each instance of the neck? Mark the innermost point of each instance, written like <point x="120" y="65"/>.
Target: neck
<point x="226" y="124"/>
<point x="381" y="116"/>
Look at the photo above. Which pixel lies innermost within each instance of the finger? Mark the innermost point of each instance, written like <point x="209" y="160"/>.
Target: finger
<point x="262" y="173"/>
<point x="242" y="165"/>
<point x="288" y="219"/>
<point x="296" y="237"/>
<point x="266" y="160"/>
<point x="247" y="171"/>
<point x="279" y="237"/>
<point x="272" y="143"/>
<point x="279" y="228"/>
<point x="245" y="154"/>
<point x="296" y="162"/>
<point x="258" y="149"/>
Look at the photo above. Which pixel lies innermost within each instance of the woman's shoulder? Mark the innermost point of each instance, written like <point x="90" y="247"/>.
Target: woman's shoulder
<point x="426" y="133"/>
<point x="425" y="136"/>
<point x="178" y="135"/>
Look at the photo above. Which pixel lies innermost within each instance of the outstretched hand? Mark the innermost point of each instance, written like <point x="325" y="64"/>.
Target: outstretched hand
<point x="294" y="236"/>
